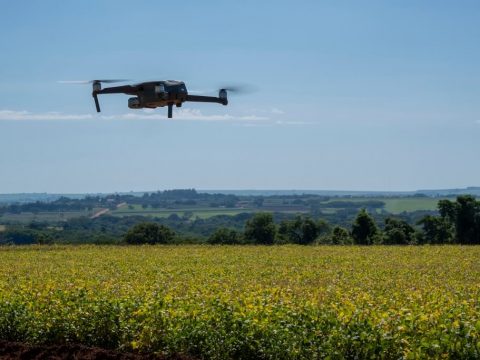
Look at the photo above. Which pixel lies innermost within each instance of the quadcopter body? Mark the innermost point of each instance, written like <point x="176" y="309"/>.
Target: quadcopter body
<point x="155" y="94"/>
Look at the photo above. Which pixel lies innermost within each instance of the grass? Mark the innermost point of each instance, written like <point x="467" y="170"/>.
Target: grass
<point x="392" y="205"/>
<point x="398" y="205"/>
<point x="130" y="208"/>
<point x="278" y="302"/>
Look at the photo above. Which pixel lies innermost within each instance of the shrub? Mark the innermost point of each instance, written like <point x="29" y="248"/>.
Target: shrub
<point x="225" y="236"/>
<point x="261" y="229"/>
<point x="149" y="233"/>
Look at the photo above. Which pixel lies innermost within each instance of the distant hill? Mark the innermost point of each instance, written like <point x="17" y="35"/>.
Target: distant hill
<point x="24" y="198"/>
<point x="472" y="190"/>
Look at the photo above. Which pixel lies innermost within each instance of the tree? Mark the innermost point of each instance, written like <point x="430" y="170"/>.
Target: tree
<point x="436" y="230"/>
<point x="448" y="210"/>
<point x="260" y="229"/>
<point x="21" y="236"/>
<point x="364" y="229"/>
<point x="323" y="227"/>
<point x="149" y="233"/>
<point x="458" y="222"/>
<point x="398" y="232"/>
<point x="467" y="217"/>
<point x="298" y="231"/>
<point x="340" y="236"/>
<point x="225" y="236"/>
<point x="309" y="231"/>
<point x="290" y="231"/>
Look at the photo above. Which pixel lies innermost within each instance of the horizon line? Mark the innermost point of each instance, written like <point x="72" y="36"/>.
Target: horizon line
<point x="245" y="190"/>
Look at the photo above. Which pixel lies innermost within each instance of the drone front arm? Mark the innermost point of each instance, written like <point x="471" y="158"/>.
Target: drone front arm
<point x="209" y="99"/>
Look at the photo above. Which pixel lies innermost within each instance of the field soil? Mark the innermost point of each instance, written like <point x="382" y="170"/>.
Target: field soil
<point x="15" y="350"/>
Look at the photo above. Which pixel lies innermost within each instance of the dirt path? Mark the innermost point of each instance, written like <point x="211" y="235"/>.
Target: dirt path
<point x="105" y="210"/>
<point x="99" y="213"/>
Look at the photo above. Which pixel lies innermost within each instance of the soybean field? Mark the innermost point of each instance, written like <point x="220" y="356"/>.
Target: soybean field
<point x="246" y="302"/>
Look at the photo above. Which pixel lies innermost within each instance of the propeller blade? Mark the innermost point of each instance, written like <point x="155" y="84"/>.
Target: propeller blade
<point x="240" y="88"/>
<point x="110" y="80"/>
<point x="107" y="81"/>
<point x="74" y="82"/>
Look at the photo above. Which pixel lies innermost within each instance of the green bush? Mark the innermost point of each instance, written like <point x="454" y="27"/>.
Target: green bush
<point x="149" y="233"/>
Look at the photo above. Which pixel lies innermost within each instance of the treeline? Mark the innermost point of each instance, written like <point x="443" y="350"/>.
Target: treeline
<point x="159" y="199"/>
<point x="164" y="199"/>
<point x="62" y="204"/>
<point x="457" y="222"/>
<point x="303" y="230"/>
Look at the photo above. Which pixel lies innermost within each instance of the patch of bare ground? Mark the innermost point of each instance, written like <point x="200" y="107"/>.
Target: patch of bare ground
<point x="16" y="350"/>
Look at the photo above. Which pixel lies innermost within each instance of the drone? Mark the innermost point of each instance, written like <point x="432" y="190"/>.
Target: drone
<point x="154" y="94"/>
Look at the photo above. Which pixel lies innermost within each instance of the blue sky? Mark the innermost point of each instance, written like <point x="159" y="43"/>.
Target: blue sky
<point x="370" y="95"/>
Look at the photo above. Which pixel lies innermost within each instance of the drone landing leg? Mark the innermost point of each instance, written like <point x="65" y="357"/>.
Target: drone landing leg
<point x="97" y="105"/>
<point x="170" y="110"/>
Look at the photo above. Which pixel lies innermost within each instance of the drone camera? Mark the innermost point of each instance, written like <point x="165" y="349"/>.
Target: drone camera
<point x="134" y="103"/>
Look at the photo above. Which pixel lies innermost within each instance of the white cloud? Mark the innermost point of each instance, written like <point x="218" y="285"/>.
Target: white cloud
<point x="146" y="114"/>
<point x="282" y="122"/>
<point x="255" y="124"/>
<point x="183" y="114"/>
<point x="277" y="111"/>
<point x="26" y="115"/>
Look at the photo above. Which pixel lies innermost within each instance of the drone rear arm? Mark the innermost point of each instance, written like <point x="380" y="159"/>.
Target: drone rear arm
<point x="126" y="89"/>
